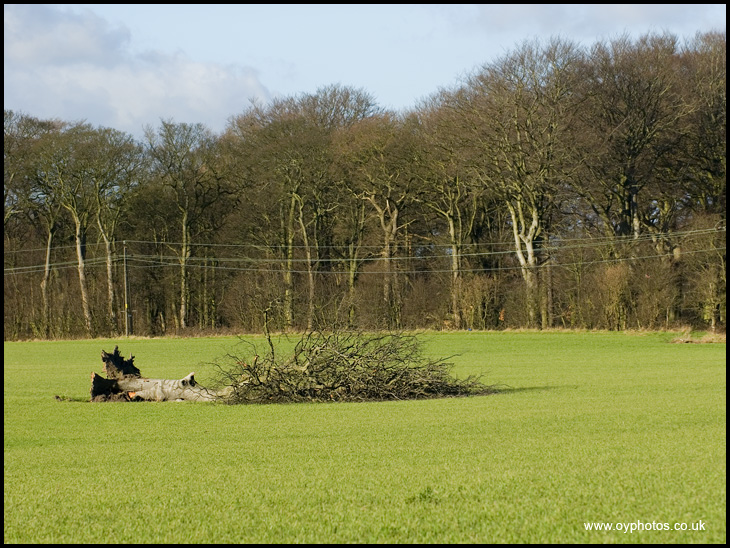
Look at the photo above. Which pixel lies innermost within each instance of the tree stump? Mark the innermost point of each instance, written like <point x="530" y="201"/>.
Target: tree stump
<point x="124" y="382"/>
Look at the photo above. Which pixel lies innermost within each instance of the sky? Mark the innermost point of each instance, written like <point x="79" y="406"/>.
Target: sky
<point x="127" y="66"/>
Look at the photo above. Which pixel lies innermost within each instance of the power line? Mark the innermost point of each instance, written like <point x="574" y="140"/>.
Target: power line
<point x="153" y="264"/>
<point x="595" y="241"/>
<point x="142" y="263"/>
<point x="587" y="244"/>
<point x="217" y="263"/>
<point x="601" y="240"/>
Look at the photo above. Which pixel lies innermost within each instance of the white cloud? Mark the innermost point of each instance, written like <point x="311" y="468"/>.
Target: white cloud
<point x="69" y="62"/>
<point x="36" y="34"/>
<point x="587" y="22"/>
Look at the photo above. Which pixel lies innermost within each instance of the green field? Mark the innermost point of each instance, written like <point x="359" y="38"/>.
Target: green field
<point x="609" y="428"/>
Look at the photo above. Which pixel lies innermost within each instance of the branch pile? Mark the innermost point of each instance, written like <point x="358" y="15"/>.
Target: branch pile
<point x="342" y="366"/>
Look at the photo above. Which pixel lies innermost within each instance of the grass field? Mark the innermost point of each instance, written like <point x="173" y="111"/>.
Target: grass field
<point x="607" y="428"/>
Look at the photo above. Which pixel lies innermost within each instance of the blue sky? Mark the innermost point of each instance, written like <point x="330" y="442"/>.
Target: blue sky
<point x="128" y="65"/>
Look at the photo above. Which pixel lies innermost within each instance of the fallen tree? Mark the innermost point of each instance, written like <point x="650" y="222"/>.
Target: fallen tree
<point x="124" y="382"/>
<point x="324" y="366"/>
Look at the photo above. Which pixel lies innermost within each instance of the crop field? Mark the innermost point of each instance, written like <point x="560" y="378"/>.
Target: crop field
<point x="589" y="431"/>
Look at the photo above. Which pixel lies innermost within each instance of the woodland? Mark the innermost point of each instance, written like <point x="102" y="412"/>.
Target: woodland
<point x="558" y="186"/>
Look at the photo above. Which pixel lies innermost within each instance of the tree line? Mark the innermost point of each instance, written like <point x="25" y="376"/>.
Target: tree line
<point x="556" y="186"/>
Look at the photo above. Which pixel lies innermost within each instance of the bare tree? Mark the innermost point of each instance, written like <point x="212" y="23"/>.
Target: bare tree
<point x="184" y="158"/>
<point x="274" y="136"/>
<point x="292" y="140"/>
<point x="114" y="169"/>
<point x="381" y="151"/>
<point x="518" y="112"/>
<point x="704" y="162"/>
<point x="30" y="185"/>
<point x="68" y="172"/>
<point x="631" y="111"/>
<point x="632" y="134"/>
<point x="446" y="188"/>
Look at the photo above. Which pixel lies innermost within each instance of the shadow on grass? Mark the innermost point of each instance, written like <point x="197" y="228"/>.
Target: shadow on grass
<point x="492" y="391"/>
<point x="77" y="399"/>
<point x="512" y="390"/>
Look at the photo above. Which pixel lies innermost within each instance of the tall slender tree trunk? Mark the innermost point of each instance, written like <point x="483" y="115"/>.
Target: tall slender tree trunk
<point x="353" y="263"/>
<point x="351" y="274"/>
<point x="635" y="219"/>
<point x="310" y="272"/>
<point x="288" y="222"/>
<point x="207" y="294"/>
<point x="388" y="217"/>
<point x="546" y="295"/>
<point x="455" y="273"/>
<point x="531" y="284"/>
<point x="46" y="313"/>
<point x="81" y="267"/>
<point x="184" y="256"/>
<point x="110" y="293"/>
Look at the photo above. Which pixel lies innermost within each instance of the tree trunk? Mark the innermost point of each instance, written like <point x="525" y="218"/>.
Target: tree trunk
<point x="124" y="383"/>
<point x="110" y="303"/>
<point x="46" y="313"/>
<point x="81" y="267"/>
<point x="184" y="256"/>
<point x="353" y="261"/>
<point x="524" y="236"/>
<point x="310" y="272"/>
<point x="388" y="216"/>
<point x="351" y="275"/>
<point x="455" y="270"/>
<point x="288" y="233"/>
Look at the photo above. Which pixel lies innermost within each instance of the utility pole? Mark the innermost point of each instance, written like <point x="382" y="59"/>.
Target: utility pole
<point x="127" y="313"/>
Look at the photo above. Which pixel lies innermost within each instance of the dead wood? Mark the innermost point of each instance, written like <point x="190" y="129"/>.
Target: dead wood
<point x="115" y="366"/>
<point x="124" y="382"/>
<point x="342" y="366"/>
